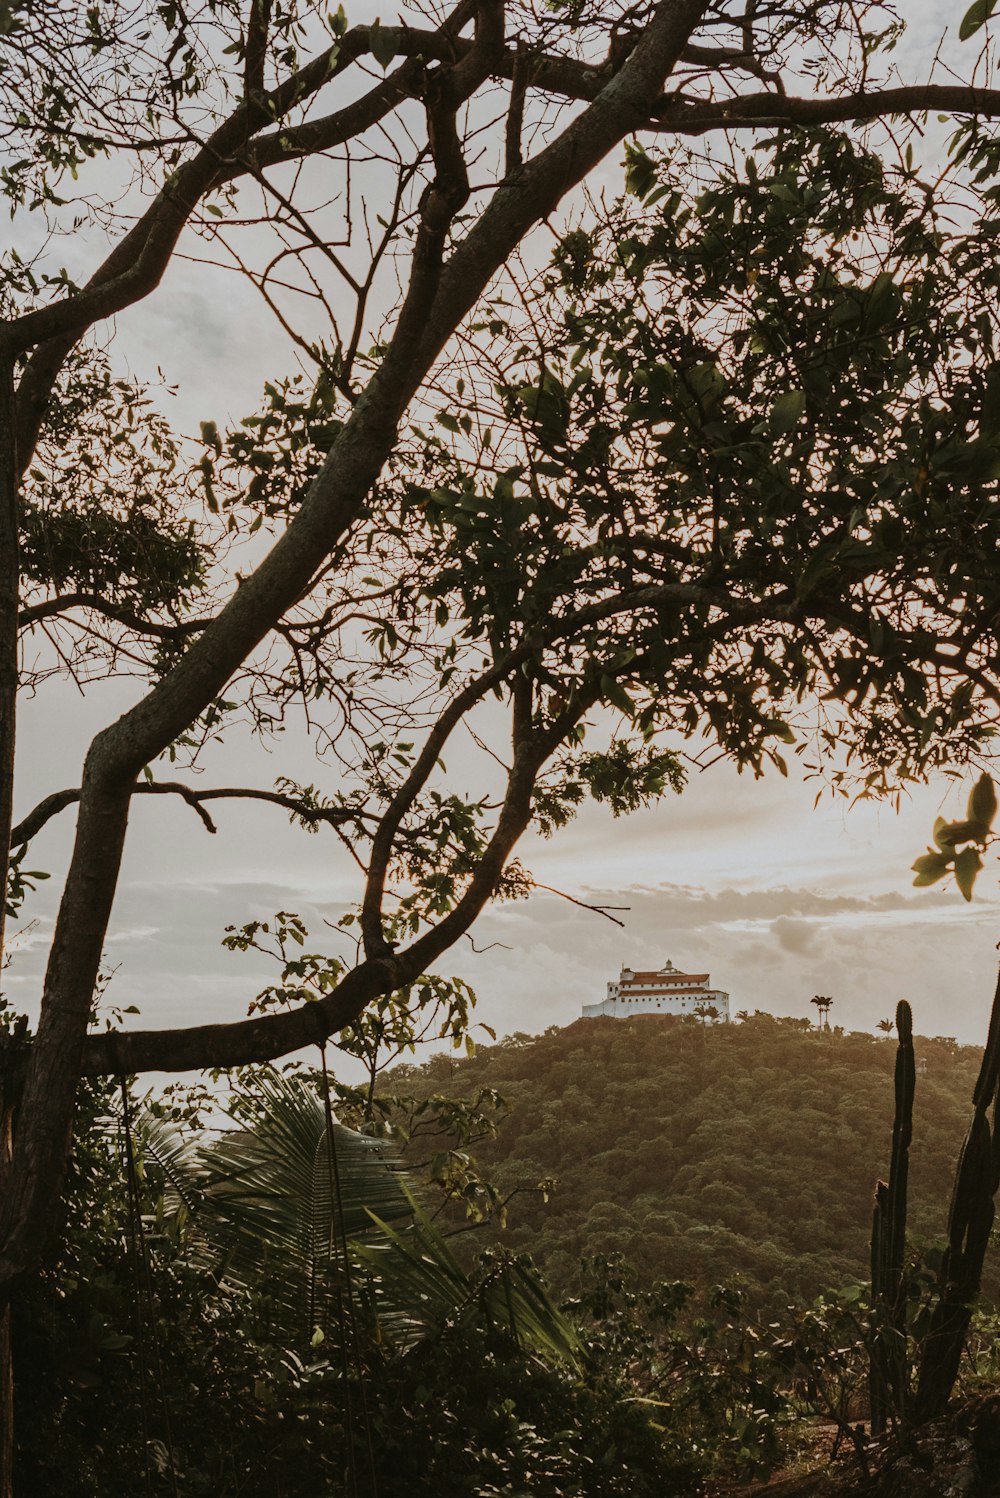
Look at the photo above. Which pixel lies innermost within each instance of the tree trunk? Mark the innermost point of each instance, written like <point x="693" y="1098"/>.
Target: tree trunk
<point x="11" y="1051"/>
<point x="9" y="596"/>
<point x="10" y="580"/>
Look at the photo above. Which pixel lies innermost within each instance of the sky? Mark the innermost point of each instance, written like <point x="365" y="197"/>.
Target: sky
<point x="777" y="898"/>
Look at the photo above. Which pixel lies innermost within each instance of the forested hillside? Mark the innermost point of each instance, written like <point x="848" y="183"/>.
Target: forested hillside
<point x="711" y="1152"/>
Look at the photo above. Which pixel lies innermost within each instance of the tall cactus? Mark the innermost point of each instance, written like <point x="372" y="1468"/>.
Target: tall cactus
<point x="889" y="1375"/>
<point x="969" y="1223"/>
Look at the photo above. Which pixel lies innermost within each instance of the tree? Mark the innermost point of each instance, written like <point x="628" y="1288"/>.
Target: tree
<point x="778" y="490"/>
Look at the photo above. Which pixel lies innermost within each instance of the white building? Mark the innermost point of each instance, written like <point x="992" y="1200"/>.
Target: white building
<point x="664" y="992"/>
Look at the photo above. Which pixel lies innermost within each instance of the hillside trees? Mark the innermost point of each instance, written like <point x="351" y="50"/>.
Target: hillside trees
<point x="732" y="452"/>
<point x="745" y="1153"/>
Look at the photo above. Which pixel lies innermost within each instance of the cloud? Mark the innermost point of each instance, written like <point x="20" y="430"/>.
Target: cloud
<point x="536" y="962"/>
<point x="771" y="948"/>
<point x="794" y="934"/>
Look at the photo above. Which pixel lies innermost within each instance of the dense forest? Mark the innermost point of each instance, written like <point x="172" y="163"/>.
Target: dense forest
<point x="709" y="1153"/>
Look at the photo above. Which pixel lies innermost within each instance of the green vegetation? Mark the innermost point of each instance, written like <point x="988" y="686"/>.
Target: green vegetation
<point x="280" y="1306"/>
<point x="237" y="1342"/>
<point x="708" y="1153"/>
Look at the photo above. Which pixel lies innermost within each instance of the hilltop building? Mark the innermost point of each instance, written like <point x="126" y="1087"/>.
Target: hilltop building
<point x="667" y="991"/>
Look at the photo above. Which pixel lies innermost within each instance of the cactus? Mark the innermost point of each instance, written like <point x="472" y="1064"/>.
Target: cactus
<point x="889" y="1373"/>
<point x="878" y="1383"/>
<point x="969" y="1223"/>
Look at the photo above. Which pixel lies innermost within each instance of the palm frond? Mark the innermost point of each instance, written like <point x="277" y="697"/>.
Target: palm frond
<point x="416" y="1270"/>
<point x="176" y="1155"/>
<point x="276" y="1209"/>
<point x="272" y="1200"/>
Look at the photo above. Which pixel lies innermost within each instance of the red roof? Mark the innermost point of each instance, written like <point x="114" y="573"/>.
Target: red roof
<point x="665" y="978"/>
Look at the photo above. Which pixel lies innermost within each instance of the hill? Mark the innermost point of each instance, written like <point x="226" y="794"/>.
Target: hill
<point x="707" y="1153"/>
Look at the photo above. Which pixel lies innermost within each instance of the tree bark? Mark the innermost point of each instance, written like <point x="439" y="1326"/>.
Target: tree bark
<point x="9" y="590"/>
<point x="9" y="594"/>
<point x="11" y="1055"/>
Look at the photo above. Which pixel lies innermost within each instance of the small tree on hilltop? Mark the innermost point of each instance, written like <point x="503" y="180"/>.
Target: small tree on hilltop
<point x="822" y="1003"/>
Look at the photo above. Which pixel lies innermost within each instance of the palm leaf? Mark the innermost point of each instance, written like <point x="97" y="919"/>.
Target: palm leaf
<point x="265" y="1198"/>
<point x="417" y="1272"/>
<point x="272" y="1201"/>
<point x="175" y="1154"/>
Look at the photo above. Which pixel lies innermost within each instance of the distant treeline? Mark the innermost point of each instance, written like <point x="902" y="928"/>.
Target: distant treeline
<point x="710" y="1153"/>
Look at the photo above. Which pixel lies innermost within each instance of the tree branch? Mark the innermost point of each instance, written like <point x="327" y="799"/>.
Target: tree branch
<point x="559" y="628"/>
<point x="138" y="262"/>
<point x="695" y="117"/>
<point x="258" y="21"/>
<point x="406" y="795"/>
<point x="51" y="806"/>
<point x="604" y="910"/>
<point x="49" y="608"/>
<point x="262" y="1039"/>
<point x="519" y="80"/>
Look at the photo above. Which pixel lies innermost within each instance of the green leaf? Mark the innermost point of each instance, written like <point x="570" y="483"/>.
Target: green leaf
<point x="268" y="1205"/>
<point x="547" y="406"/>
<point x="976" y="16"/>
<point x="929" y="868"/>
<point x="948" y="835"/>
<point x="787" y="411"/>
<point x="614" y="693"/>
<point x="382" y="43"/>
<point x="967" y="866"/>
<point x="983" y="801"/>
<point x="640" y="173"/>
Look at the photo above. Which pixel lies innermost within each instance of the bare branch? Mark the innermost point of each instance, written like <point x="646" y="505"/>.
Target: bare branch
<point x="51" y="806"/>
<point x="490" y="946"/>
<point x="64" y="603"/>
<point x="604" y="910"/>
